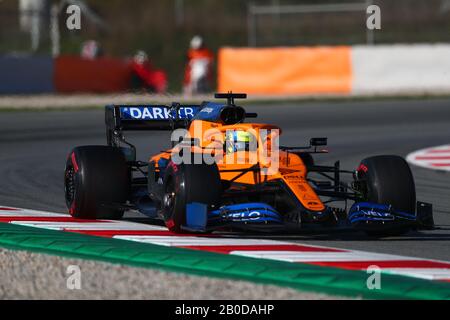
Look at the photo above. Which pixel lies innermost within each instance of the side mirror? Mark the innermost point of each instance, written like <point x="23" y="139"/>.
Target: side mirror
<point x="251" y="115"/>
<point x="317" y="142"/>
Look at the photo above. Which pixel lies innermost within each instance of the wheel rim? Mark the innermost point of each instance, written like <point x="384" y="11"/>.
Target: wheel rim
<point x="361" y="185"/>
<point x="69" y="185"/>
<point x="169" y="197"/>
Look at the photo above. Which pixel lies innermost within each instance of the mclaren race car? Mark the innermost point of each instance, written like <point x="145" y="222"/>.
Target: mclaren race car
<point x="222" y="172"/>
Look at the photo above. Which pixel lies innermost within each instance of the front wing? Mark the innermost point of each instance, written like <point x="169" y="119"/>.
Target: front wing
<point x="262" y="217"/>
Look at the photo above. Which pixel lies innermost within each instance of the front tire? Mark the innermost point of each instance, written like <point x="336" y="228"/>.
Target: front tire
<point x="96" y="178"/>
<point x="388" y="180"/>
<point x="188" y="183"/>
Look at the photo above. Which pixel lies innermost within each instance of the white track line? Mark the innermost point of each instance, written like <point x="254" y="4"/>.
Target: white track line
<point x="292" y="256"/>
<point x="29" y="214"/>
<point x="107" y="225"/>
<point x="423" y="273"/>
<point x="184" y="241"/>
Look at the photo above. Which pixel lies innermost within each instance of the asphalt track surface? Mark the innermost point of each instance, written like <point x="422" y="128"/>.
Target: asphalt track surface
<point x="34" y="146"/>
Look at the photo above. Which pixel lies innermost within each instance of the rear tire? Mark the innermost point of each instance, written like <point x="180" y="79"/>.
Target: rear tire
<point x="96" y="178"/>
<point x="187" y="183"/>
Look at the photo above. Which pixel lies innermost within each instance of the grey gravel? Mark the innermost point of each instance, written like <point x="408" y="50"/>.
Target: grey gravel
<point x="26" y="275"/>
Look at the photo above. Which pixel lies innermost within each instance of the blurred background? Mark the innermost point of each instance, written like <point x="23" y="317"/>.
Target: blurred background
<point x="162" y="32"/>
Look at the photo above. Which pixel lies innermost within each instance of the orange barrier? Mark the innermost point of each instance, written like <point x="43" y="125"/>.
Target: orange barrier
<point x="74" y="74"/>
<point x="299" y="70"/>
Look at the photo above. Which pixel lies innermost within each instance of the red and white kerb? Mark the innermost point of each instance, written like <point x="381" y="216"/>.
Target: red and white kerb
<point x="436" y="158"/>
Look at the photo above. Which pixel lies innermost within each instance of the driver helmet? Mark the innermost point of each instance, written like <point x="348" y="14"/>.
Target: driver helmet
<point x="239" y="141"/>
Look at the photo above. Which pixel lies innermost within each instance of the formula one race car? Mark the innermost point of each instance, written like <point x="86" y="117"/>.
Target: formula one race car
<point x="223" y="173"/>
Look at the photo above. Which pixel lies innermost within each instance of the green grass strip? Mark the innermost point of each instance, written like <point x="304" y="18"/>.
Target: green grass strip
<point x="299" y="276"/>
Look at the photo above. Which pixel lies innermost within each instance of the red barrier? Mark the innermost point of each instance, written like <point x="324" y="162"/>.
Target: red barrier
<point x="74" y="74"/>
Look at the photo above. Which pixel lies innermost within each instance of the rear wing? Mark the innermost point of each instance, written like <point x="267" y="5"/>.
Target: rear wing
<point x="120" y="118"/>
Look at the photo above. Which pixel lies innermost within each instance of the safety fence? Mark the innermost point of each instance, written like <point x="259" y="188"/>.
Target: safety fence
<point x="26" y="75"/>
<point x="341" y="70"/>
<point x="348" y="70"/>
<point x="73" y="74"/>
<point x="65" y="74"/>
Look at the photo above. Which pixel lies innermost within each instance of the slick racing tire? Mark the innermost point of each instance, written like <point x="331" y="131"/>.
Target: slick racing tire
<point x="96" y="179"/>
<point x="188" y="183"/>
<point x="388" y="180"/>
